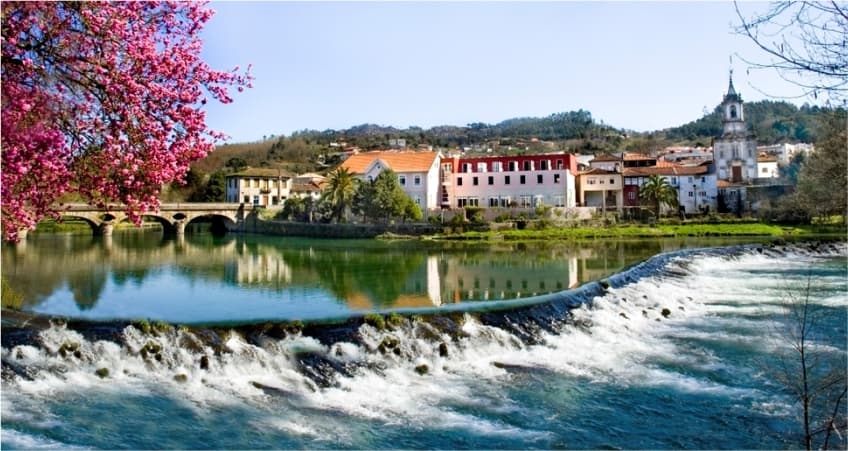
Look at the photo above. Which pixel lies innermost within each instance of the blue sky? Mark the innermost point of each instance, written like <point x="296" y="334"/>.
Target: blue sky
<point x="635" y="65"/>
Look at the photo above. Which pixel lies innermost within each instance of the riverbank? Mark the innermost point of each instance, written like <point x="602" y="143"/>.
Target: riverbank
<point x="656" y="231"/>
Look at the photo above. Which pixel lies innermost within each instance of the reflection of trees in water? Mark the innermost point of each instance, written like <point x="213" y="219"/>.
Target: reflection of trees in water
<point x="378" y="274"/>
<point x="87" y="287"/>
<point x="85" y="263"/>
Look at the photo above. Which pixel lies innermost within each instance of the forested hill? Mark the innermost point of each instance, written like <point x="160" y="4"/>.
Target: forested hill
<point x="772" y="122"/>
<point x="556" y="127"/>
<point x="573" y="131"/>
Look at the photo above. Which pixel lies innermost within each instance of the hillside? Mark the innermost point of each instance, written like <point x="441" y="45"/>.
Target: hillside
<point x="573" y="131"/>
<point x="772" y="122"/>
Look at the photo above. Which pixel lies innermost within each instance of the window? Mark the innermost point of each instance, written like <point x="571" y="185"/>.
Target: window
<point x="466" y="167"/>
<point x="601" y="181"/>
<point x="491" y="180"/>
<point x="522" y="179"/>
<point x="459" y="181"/>
<point x="255" y="200"/>
<point x="558" y="201"/>
<point x="528" y="165"/>
<point x="513" y="166"/>
<point x="545" y="165"/>
<point x="475" y="181"/>
<point x="540" y="178"/>
<point x="674" y="180"/>
<point x="447" y="167"/>
<point x="526" y="201"/>
<point x="764" y="171"/>
<point x="703" y="179"/>
<point x="473" y="202"/>
<point x="590" y="181"/>
<point x="559" y="164"/>
<point x="556" y="178"/>
<point x="481" y="167"/>
<point x="493" y="202"/>
<point x="256" y="183"/>
<point x="691" y="194"/>
<point x="631" y="195"/>
<point x="612" y="181"/>
<point x="247" y="199"/>
<point x="402" y="180"/>
<point x="497" y="166"/>
<point x="274" y="200"/>
<point x="691" y="179"/>
<point x="506" y="180"/>
<point x="418" y="200"/>
<point x="417" y="180"/>
<point x="461" y="201"/>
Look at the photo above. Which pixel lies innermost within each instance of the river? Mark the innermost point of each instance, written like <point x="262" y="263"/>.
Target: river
<point x="675" y="354"/>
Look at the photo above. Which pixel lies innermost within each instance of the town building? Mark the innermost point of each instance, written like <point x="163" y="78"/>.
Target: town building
<point x="734" y="152"/>
<point x="417" y="172"/>
<point x="767" y="168"/>
<point x="696" y="185"/>
<point x="308" y="185"/>
<point x="508" y="181"/>
<point x="259" y="186"/>
<point x="785" y="151"/>
<point x="600" y="188"/>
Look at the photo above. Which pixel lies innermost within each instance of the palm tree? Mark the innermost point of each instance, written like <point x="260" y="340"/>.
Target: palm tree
<point x="657" y="191"/>
<point x="341" y="187"/>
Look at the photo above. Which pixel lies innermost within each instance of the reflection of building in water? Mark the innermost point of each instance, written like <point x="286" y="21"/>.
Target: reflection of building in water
<point x="482" y="278"/>
<point x="260" y="269"/>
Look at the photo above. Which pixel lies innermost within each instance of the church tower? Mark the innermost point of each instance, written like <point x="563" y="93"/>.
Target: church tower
<point x="735" y="151"/>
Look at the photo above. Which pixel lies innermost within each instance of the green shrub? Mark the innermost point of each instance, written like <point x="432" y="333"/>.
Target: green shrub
<point x="395" y="320"/>
<point x="10" y="297"/>
<point x="375" y="320"/>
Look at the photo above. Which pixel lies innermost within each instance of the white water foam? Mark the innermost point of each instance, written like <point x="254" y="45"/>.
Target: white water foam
<point x="630" y="335"/>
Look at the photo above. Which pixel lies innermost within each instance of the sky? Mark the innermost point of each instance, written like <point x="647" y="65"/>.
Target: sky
<point x="639" y="66"/>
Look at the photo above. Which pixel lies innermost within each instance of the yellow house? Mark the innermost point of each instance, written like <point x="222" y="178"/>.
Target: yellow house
<point x="259" y="186"/>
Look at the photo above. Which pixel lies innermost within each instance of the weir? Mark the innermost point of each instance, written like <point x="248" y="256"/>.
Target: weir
<point x="405" y="334"/>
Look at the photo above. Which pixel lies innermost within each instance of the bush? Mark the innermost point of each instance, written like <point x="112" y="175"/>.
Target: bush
<point x="375" y="320"/>
<point x="504" y="217"/>
<point x="10" y="297"/>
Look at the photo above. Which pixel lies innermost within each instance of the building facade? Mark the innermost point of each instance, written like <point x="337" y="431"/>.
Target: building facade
<point x="735" y="151"/>
<point x="600" y="188"/>
<point x="417" y="172"/>
<point x="696" y="185"/>
<point x="259" y="186"/>
<point x="508" y="181"/>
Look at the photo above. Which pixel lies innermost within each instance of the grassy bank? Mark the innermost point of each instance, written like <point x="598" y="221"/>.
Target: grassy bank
<point x="657" y="231"/>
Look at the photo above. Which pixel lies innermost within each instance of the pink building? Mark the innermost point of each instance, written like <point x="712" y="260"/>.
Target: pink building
<point x="504" y="181"/>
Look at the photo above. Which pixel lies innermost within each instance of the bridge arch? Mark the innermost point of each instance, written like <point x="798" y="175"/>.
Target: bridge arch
<point x="220" y="223"/>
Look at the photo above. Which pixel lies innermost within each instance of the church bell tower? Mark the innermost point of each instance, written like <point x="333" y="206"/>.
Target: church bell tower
<point x="733" y="114"/>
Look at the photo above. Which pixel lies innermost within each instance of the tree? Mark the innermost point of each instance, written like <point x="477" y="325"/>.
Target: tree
<point x="382" y="199"/>
<point x="805" y="44"/>
<point x="104" y="99"/>
<point x="340" y="192"/>
<point x="823" y="180"/>
<point x="657" y="192"/>
<point x="810" y="371"/>
<point x="236" y="164"/>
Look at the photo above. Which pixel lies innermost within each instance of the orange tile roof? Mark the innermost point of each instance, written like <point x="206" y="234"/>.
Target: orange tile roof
<point x="637" y="157"/>
<point x="397" y="161"/>
<point x="666" y="168"/>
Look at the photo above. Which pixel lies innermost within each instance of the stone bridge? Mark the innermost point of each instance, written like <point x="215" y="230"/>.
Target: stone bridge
<point x="173" y="216"/>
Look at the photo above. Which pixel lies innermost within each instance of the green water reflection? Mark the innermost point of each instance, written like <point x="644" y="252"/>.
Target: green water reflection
<point x="356" y="275"/>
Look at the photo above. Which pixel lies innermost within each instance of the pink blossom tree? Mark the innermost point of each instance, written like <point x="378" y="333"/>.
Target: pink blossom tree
<point x="104" y="99"/>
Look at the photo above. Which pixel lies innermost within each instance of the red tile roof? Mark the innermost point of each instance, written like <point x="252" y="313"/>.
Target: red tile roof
<point x="665" y="168"/>
<point x="397" y="161"/>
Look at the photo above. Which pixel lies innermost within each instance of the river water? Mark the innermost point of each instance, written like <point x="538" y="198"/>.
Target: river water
<point x="680" y="356"/>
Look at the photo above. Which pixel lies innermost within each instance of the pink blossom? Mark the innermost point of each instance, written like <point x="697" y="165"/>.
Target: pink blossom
<point x="95" y="109"/>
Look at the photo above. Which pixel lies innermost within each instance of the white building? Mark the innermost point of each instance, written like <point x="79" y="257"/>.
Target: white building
<point x="735" y="151"/>
<point x="509" y="181"/>
<point x="418" y="172"/>
<point x="767" y="167"/>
